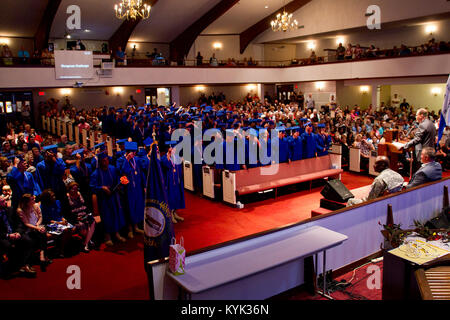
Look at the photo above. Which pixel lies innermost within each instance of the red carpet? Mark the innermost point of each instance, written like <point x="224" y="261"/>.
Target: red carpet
<point x="118" y="273"/>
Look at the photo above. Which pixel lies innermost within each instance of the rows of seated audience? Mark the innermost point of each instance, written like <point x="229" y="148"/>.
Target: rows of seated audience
<point x="54" y="191"/>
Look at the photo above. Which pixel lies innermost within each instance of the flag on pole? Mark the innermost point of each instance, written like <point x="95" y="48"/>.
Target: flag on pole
<point x="445" y="112"/>
<point x="158" y="227"/>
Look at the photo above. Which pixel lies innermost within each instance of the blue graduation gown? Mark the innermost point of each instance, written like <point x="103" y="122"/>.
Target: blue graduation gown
<point x="50" y="176"/>
<point x="51" y="213"/>
<point x="296" y="148"/>
<point x="197" y="170"/>
<point x="309" y="145"/>
<point x="20" y="184"/>
<point x="173" y="179"/>
<point x="251" y="154"/>
<point x="283" y="147"/>
<point x="322" y="142"/>
<point x="231" y="164"/>
<point x="109" y="206"/>
<point x="134" y="189"/>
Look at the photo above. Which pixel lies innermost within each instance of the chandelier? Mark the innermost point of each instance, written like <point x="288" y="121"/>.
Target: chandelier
<point x="283" y="22"/>
<point x="132" y="9"/>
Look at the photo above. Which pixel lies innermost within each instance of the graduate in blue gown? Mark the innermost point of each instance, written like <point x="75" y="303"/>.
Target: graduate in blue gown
<point x="81" y="172"/>
<point x="50" y="172"/>
<point x="295" y="144"/>
<point x="197" y="174"/>
<point x="135" y="190"/>
<point x="118" y="158"/>
<point x="323" y="141"/>
<point x="104" y="183"/>
<point x="309" y="142"/>
<point x="283" y="145"/>
<point x="251" y="149"/>
<point x="173" y="178"/>
<point x="21" y="182"/>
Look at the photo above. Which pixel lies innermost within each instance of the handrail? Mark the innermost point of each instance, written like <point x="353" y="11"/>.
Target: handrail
<point x="188" y="63"/>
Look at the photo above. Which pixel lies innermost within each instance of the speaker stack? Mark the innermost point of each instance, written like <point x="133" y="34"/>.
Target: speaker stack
<point x="335" y="195"/>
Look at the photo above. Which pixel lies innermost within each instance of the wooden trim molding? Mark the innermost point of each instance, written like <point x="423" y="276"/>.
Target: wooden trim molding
<point x="43" y="32"/>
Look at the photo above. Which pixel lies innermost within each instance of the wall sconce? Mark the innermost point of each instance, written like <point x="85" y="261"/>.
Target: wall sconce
<point x="436" y="91"/>
<point x="364" y="89"/>
<point x="4" y="41"/>
<point x="118" y="90"/>
<point x="340" y="40"/>
<point x="132" y="45"/>
<point x="320" y="85"/>
<point x="217" y="45"/>
<point x="200" y="88"/>
<point x="251" y="87"/>
<point x="311" y="45"/>
<point x="66" y="92"/>
<point x="430" y="29"/>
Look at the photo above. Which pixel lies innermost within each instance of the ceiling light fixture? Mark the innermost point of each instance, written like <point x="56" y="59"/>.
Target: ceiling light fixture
<point x="283" y="22"/>
<point x="132" y="9"/>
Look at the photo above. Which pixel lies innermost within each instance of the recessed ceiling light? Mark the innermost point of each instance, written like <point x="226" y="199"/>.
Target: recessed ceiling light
<point x="87" y="30"/>
<point x="267" y="7"/>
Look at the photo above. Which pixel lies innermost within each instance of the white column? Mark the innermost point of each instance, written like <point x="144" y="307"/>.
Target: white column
<point x="376" y="96"/>
<point x="175" y="94"/>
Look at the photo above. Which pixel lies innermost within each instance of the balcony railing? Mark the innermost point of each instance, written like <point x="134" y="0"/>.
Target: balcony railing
<point x="230" y="63"/>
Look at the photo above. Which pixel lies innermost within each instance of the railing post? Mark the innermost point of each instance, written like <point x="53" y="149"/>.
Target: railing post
<point x="445" y="201"/>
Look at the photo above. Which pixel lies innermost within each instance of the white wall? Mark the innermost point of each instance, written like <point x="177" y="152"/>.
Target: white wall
<point x="383" y="68"/>
<point x="88" y="98"/>
<point x="413" y="35"/>
<point x="321" y="16"/>
<point x="420" y="96"/>
<point x="230" y="48"/>
<point x="236" y="93"/>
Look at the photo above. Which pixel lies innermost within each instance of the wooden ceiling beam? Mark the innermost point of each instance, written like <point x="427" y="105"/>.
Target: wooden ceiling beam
<point x="181" y="45"/>
<point x="123" y="33"/>
<point x="255" y="30"/>
<point x="42" y="34"/>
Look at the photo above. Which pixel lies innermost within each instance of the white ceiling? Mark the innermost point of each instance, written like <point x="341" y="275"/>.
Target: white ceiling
<point x="243" y="15"/>
<point x="96" y="15"/>
<point x="168" y="18"/>
<point x="21" y="18"/>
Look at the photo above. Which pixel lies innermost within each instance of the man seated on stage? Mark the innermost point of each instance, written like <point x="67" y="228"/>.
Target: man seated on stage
<point x="429" y="171"/>
<point x="387" y="181"/>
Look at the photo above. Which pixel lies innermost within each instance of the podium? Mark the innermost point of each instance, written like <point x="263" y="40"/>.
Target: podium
<point x="389" y="150"/>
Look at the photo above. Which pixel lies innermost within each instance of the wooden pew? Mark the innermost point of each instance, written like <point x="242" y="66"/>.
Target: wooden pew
<point x="254" y="180"/>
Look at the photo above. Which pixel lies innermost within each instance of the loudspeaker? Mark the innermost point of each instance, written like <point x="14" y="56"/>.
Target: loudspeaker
<point x="331" y="205"/>
<point x="336" y="191"/>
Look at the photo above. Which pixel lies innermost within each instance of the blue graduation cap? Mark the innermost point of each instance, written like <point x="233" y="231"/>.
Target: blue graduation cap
<point x="102" y="155"/>
<point x="280" y="129"/>
<point x="131" y="146"/>
<point x="79" y="151"/>
<point x="141" y="108"/>
<point x="321" y="125"/>
<point x="51" y="148"/>
<point x="194" y="108"/>
<point x="148" y="142"/>
<point x="120" y="110"/>
<point x="100" y="145"/>
<point x="169" y="113"/>
<point x="294" y="128"/>
<point x="309" y="124"/>
<point x="304" y="119"/>
<point x="121" y="141"/>
<point x="171" y="143"/>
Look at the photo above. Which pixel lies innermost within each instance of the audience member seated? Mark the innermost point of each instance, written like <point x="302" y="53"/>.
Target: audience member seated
<point x="31" y="216"/>
<point x="79" y="216"/>
<point x="199" y="59"/>
<point x="388" y="181"/>
<point x="14" y="243"/>
<point x="428" y="172"/>
<point x="340" y="52"/>
<point x="23" y="55"/>
<point x="213" y="61"/>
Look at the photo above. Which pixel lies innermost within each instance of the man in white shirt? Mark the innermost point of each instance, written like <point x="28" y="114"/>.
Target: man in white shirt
<point x="310" y="103"/>
<point x="395" y="101"/>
